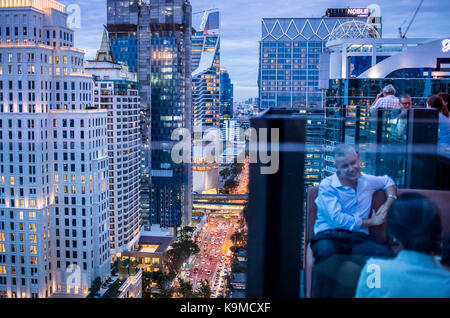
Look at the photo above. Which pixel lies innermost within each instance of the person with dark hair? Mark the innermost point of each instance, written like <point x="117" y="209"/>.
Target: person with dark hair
<point x="446" y="98"/>
<point x="438" y="102"/>
<point x="405" y="101"/>
<point x="414" y="223"/>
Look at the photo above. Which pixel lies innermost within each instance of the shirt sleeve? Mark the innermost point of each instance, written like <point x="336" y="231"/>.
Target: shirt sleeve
<point x="330" y="207"/>
<point x="382" y="182"/>
<point x="373" y="108"/>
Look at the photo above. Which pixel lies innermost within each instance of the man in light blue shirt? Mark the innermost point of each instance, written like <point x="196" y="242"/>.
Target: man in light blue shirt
<point x="343" y="218"/>
<point x="343" y="207"/>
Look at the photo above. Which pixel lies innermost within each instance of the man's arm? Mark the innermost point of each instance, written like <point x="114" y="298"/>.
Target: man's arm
<point x="386" y="184"/>
<point x="376" y="99"/>
<point x="328" y="203"/>
<point x="390" y="192"/>
<point x="373" y="108"/>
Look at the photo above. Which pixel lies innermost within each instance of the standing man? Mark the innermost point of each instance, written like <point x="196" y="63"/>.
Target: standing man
<point x="343" y="218"/>
<point x="385" y="99"/>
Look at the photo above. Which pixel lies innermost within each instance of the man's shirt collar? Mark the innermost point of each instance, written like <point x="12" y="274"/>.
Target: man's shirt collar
<point x="335" y="182"/>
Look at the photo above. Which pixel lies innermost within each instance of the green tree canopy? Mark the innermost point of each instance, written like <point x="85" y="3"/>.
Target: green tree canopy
<point x="204" y="290"/>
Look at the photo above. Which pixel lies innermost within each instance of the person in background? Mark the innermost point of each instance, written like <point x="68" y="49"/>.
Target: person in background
<point x="436" y="101"/>
<point x="385" y="99"/>
<point x="446" y="98"/>
<point x="405" y="101"/>
<point x="414" y="222"/>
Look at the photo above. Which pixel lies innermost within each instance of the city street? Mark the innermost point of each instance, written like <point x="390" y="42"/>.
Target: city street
<point x="213" y="262"/>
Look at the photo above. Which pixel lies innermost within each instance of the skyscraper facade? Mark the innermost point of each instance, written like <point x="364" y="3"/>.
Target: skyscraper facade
<point x="116" y="90"/>
<point x="226" y="95"/>
<point x="54" y="235"/>
<point x="206" y="68"/>
<point x="205" y="96"/>
<point x="163" y="31"/>
<point x="122" y="20"/>
<point x="290" y="49"/>
<point x="132" y="48"/>
<point x="170" y="24"/>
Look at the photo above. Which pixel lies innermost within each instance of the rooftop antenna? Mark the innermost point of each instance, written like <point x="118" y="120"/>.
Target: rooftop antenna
<point x="410" y="22"/>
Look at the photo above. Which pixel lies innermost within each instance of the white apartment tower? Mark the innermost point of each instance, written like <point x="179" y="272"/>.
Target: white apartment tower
<point x="116" y="90"/>
<point x="54" y="232"/>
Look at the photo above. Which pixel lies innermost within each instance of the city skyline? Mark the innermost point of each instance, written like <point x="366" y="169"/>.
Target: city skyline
<point x="239" y="49"/>
<point x="113" y="165"/>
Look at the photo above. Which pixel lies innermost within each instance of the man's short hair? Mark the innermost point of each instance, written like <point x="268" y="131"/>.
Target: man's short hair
<point x="389" y="89"/>
<point x="405" y="96"/>
<point x="342" y="149"/>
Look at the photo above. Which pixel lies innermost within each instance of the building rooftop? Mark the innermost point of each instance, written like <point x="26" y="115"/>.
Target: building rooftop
<point x="38" y="4"/>
<point x="155" y="244"/>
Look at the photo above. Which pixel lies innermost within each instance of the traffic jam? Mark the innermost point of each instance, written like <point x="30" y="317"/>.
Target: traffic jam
<point x="213" y="262"/>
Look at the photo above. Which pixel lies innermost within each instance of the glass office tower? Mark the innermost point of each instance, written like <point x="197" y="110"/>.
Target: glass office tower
<point x="226" y="95"/>
<point x="122" y="19"/>
<point x="289" y="59"/>
<point x="155" y="38"/>
<point x="171" y="107"/>
<point x="206" y="68"/>
<point x="205" y="97"/>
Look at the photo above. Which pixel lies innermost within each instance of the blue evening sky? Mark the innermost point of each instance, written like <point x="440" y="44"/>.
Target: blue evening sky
<point x="241" y="27"/>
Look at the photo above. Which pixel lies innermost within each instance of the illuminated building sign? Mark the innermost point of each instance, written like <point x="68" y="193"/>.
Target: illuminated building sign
<point x="446" y="45"/>
<point x="348" y="12"/>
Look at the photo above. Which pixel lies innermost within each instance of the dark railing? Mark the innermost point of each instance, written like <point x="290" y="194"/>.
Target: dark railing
<point x="275" y="210"/>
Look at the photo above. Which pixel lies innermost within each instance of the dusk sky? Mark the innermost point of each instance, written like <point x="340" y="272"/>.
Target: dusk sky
<point x="241" y="27"/>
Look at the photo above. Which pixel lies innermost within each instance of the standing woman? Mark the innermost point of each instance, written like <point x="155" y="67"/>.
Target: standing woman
<point x="436" y="101"/>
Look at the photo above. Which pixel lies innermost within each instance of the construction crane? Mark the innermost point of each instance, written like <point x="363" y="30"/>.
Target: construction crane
<point x="410" y="22"/>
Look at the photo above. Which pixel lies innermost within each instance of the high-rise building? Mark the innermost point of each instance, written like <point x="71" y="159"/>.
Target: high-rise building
<point x="132" y="48"/>
<point x="205" y="97"/>
<point x="170" y="26"/>
<point x="233" y="135"/>
<point x="163" y="55"/>
<point x="290" y="51"/>
<point x="116" y="90"/>
<point x="54" y="234"/>
<point x="226" y="95"/>
<point x="122" y="20"/>
<point x="206" y="68"/>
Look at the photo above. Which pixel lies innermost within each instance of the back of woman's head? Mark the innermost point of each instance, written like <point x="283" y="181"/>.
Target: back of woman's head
<point x="436" y="101"/>
<point x="415" y="222"/>
<point x="446" y="97"/>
